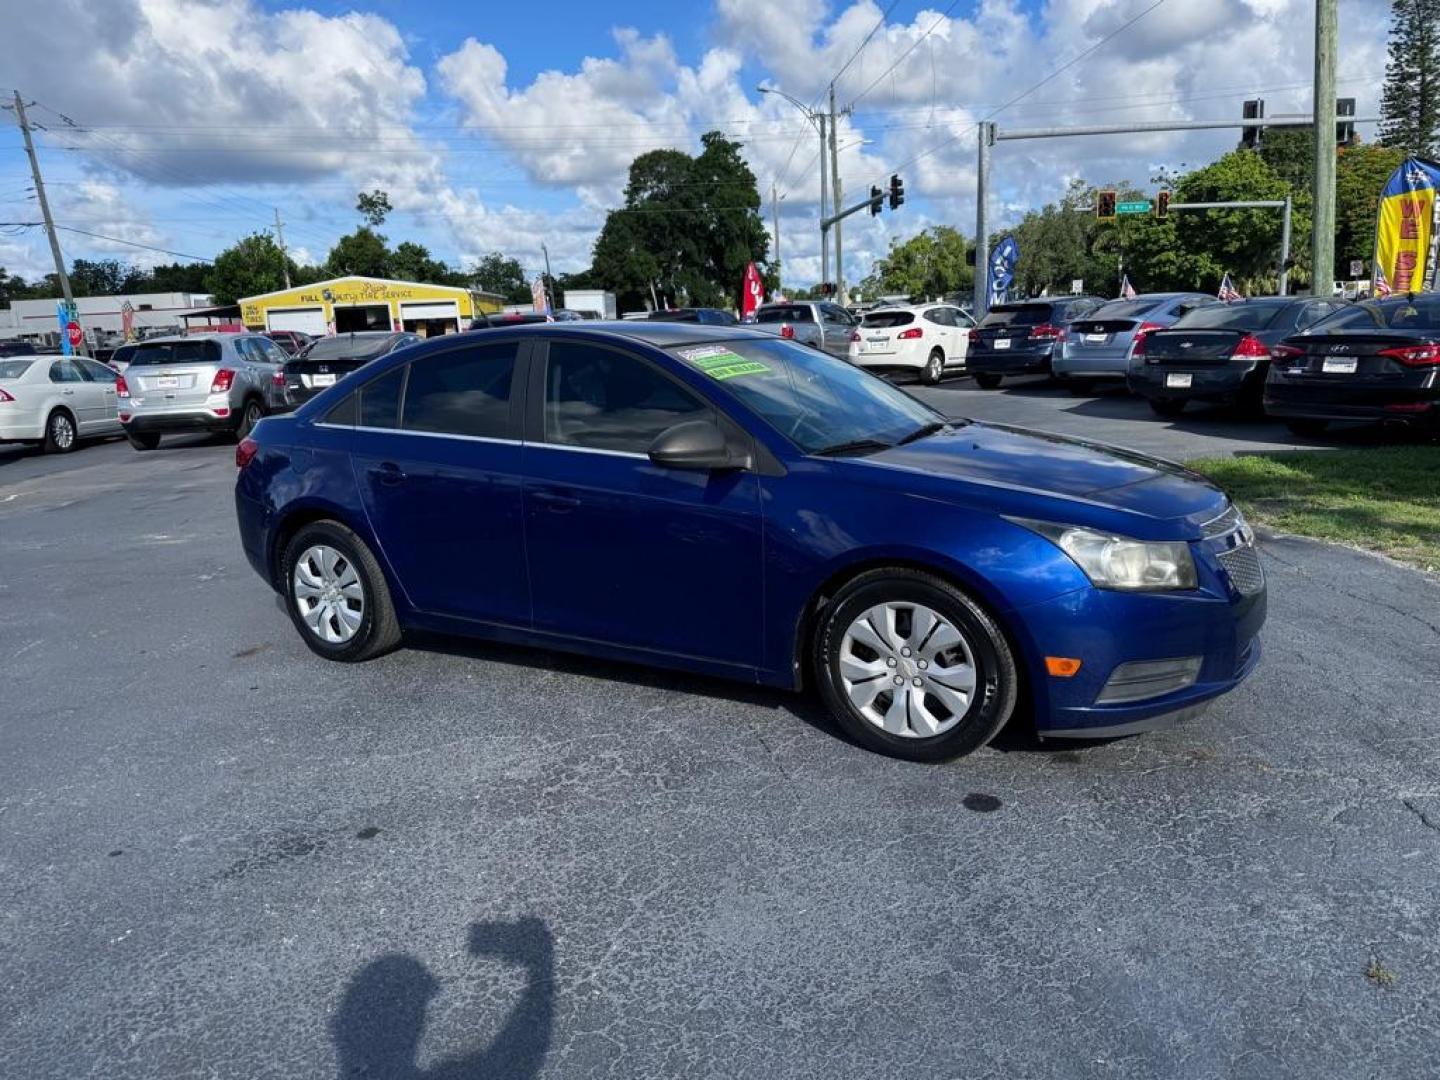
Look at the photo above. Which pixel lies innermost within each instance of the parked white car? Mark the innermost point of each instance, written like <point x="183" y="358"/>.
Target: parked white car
<point x="930" y="339"/>
<point x="57" y="401"/>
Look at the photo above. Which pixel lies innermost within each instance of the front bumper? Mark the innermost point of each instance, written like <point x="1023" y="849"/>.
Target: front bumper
<point x="1009" y="362"/>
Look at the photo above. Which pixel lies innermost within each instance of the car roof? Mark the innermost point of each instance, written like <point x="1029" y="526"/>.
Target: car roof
<point x="660" y="334"/>
<point x="192" y="337"/>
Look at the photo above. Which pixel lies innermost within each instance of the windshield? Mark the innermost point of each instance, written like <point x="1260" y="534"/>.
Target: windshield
<point x="889" y="318"/>
<point x="1417" y="313"/>
<point x="175" y="352"/>
<point x="1123" y="309"/>
<point x="1019" y="315"/>
<point x="813" y="399"/>
<point x="13" y="369"/>
<point x="347" y="346"/>
<point x="1231" y="317"/>
<point x="784" y="313"/>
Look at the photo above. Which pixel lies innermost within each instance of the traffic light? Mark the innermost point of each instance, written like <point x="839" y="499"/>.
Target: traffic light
<point x="877" y="197"/>
<point x="1105" y="205"/>
<point x="1344" y="128"/>
<point x="897" y="192"/>
<point x="1254" y="109"/>
<point x="1162" y="204"/>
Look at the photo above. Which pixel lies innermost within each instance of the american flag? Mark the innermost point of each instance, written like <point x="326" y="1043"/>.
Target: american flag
<point x="1381" y="286"/>
<point x="1127" y="291"/>
<point x="1228" y="292"/>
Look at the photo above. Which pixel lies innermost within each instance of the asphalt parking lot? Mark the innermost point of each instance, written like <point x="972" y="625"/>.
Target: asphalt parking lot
<point x="221" y="856"/>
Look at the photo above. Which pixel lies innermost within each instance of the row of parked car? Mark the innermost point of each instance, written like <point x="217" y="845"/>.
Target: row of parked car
<point x="1306" y="360"/>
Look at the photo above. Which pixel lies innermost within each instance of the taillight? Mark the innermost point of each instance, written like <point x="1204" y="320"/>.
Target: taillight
<point x="222" y="381"/>
<point x="1249" y="348"/>
<point x="1146" y="327"/>
<point x="854" y="335"/>
<point x="974" y="337"/>
<point x="1287" y="352"/>
<point x="1138" y="348"/>
<point x="278" y="379"/>
<point x="1046" y="330"/>
<point x="1414" y="355"/>
<point x="911" y="334"/>
<point x="245" y="452"/>
<point x="5" y="396"/>
<point x="786" y="330"/>
<point x="122" y="388"/>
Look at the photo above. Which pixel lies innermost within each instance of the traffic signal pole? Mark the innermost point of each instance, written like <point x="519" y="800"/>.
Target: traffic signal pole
<point x="1322" y="235"/>
<point x="988" y="135"/>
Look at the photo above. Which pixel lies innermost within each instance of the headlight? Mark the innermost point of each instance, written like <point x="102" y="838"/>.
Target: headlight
<point x="1118" y="562"/>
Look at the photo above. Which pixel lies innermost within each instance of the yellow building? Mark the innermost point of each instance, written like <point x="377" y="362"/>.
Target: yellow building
<point x="357" y="303"/>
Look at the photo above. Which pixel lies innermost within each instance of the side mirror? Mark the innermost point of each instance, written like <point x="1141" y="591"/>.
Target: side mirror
<point x="697" y="444"/>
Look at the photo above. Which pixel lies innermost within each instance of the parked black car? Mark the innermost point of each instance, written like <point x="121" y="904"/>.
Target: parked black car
<point x="1020" y="338"/>
<point x="16" y="348"/>
<point x="708" y="315"/>
<point x="327" y="360"/>
<point x="1219" y="354"/>
<point x="1374" y="361"/>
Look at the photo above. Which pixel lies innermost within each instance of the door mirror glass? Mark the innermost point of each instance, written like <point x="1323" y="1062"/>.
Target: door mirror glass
<point x="696" y="444"/>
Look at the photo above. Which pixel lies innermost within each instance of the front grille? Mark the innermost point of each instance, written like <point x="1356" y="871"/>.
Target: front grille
<point x="1242" y="565"/>
<point x="1219" y="526"/>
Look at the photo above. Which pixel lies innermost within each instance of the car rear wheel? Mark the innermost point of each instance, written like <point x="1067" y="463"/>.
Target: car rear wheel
<point x="934" y="368"/>
<point x="144" y="440"/>
<point x="336" y="594"/>
<point x="911" y="667"/>
<point x="250" y="415"/>
<point x="60" y="437"/>
<point x="1170" y="407"/>
<point x="1306" y="426"/>
<point x="987" y="382"/>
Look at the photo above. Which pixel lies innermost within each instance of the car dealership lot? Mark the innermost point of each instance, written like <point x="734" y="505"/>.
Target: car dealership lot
<point x="220" y="855"/>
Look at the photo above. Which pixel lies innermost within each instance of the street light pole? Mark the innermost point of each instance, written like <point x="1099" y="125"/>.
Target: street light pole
<point x="775" y="217"/>
<point x="817" y="121"/>
<point x="837" y="202"/>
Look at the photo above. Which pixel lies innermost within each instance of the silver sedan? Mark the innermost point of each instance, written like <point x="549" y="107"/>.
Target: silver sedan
<point x="56" y="401"/>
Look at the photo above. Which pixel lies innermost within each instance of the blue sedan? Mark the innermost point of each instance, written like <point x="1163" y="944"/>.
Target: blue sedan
<point x="726" y="502"/>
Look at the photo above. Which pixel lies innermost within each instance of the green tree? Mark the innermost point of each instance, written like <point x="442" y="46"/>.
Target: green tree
<point x="930" y="263"/>
<point x="374" y="207"/>
<point x="1360" y="176"/>
<point x="1064" y="242"/>
<point x="1290" y="153"/>
<point x="168" y="277"/>
<point x="250" y="267"/>
<point x="412" y="262"/>
<point x="362" y="252"/>
<point x="498" y="273"/>
<point x="687" y="230"/>
<point x="101" y="277"/>
<point x="1410" y="102"/>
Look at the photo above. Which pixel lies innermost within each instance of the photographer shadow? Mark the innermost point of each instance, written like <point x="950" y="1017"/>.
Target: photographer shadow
<point x="381" y="1019"/>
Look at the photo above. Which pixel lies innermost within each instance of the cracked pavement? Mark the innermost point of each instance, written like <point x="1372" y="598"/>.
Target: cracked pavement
<point x="220" y="856"/>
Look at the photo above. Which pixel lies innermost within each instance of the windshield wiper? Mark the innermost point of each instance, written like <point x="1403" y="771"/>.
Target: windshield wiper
<point x="924" y="430"/>
<point x="855" y="446"/>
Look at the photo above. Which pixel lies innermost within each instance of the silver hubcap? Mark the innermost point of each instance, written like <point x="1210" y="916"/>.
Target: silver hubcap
<point x="934" y="367"/>
<point x="62" y="431"/>
<point x="908" y="670"/>
<point x="328" y="594"/>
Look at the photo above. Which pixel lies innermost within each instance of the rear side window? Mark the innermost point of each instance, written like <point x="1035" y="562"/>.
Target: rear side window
<point x="13" y="369"/>
<point x="607" y="400"/>
<point x="882" y="319"/>
<point x="466" y="392"/>
<point x="380" y="400"/>
<point x="784" y="313"/>
<point x="1017" y="315"/>
<point x="176" y="352"/>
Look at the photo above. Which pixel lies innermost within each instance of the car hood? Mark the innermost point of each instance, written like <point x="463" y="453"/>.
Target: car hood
<point x="1041" y="463"/>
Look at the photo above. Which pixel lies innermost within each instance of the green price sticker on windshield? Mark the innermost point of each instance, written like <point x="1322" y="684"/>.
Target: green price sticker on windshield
<point x="720" y="363"/>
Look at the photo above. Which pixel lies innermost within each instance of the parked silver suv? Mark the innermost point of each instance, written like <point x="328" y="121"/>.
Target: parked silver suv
<point x="200" y="382"/>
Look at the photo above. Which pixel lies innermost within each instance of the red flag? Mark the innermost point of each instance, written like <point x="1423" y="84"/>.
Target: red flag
<point x="753" y="293"/>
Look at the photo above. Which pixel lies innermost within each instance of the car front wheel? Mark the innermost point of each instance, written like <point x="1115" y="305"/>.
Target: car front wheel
<point x="911" y="667"/>
<point x="336" y="594"/>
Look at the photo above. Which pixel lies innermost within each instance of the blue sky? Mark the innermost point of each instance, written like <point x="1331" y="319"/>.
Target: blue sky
<point x="505" y="126"/>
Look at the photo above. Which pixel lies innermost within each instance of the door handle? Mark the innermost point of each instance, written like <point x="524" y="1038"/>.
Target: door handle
<point x="388" y="473"/>
<point x="67" y="393"/>
<point x="558" y="501"/>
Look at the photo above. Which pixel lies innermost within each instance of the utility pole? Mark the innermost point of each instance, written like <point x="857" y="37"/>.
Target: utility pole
<point x="1322" y="239"/>
<point x="284" y="255"/>
<point x="1284" y="283"/>
<point x="45" y="214"/>
<point x="837" y="202"/>
<point x="981" y="302"/>
<point x="824" y="183"/>
<point x="548" y="279"/>
<point x="775" y="217"/>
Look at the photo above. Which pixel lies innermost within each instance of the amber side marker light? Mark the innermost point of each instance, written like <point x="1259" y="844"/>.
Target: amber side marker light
<point x="1062" y="667"/>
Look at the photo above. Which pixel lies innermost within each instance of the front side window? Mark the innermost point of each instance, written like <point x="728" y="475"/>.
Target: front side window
<point x="380" y="399"/>
<point x="606" y="400"/>
<point x="818" y="402"/>
<point x="465" y="392"/>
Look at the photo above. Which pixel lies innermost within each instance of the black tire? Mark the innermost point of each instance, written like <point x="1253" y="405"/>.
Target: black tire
<point x="987" y="382"/>
<point x="379" y="629"/>
<point x="934" y="369"/>
<point x="143" y="440"/>
<point x="61" y="434"/>
<point x="251" y="413"/>
<point x="1078" y="387"/>
<point x="1306" y="426"/>
<point x="1168" y="407"/>
<point x="997" y="677"/>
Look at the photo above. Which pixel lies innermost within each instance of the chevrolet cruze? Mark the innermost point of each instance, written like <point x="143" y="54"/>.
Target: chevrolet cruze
<point x="730" y="503"/>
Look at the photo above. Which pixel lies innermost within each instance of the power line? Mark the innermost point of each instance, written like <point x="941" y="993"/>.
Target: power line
<point x="884" y="15"/>
<point x="914" y="45"/>
<point x="102" y="236"/>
